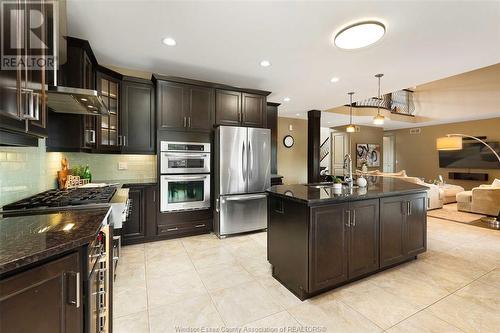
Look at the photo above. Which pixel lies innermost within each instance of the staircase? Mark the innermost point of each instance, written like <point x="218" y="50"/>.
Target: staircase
<point x="324" y="149"/>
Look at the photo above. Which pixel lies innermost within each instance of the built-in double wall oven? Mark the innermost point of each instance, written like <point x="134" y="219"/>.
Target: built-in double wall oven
<point x="185" y="176"/>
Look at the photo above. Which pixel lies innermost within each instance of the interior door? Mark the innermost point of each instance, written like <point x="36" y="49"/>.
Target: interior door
<point x="259" y="159"/>
<point x="364" y="236"/>
<point x="232" y="145"/>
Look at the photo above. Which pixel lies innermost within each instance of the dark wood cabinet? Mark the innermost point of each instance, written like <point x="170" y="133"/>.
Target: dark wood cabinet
<point x="329" y="246"/>
<point x="75" y="132"/>
<point x="227" y="107"/>
<point x="140" y="225"/>
<point x="272" y="124"/>
<point x="184" y="107"/>
<point x="23" y="92"/>
<point x="234" y="108"/>
<point x="44" y="298"/>
<point x="403" y="228"/>
<point x="109" y="137"/>
<point x="363" y="237"/>
<point x="253" y="110"/>
<point x="138" y="125"/>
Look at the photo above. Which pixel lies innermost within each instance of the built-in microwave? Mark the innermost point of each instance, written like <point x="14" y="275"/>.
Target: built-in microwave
<point x="184" y="192"/>
<point x="184" y="157"/>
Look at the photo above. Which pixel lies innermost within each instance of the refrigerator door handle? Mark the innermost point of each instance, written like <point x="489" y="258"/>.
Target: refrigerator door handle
<point x="244" y="162"/>
<point x="247" y="197"/>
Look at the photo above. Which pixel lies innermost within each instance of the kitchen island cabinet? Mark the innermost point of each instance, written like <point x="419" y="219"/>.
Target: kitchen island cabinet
<point x="319" y="238"/>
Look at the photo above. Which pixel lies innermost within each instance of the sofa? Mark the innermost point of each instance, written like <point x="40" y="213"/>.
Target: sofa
<point x="435" y="194"/>
<point x="484" y="199"/>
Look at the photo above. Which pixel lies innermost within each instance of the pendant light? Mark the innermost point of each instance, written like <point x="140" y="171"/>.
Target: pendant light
<point x="350" y="128"/>
<point x="379" y="118"/>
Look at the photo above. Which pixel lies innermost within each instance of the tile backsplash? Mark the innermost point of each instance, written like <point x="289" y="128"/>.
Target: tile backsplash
<point x="25" y="171"/>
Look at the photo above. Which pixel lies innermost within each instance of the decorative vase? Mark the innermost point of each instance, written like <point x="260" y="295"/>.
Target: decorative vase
<point x="364" y="168"/>
<point x="361" y="181"/>
<point x="337" y="186"/>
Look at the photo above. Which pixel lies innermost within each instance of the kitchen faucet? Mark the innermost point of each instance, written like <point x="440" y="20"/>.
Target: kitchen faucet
<point x="348" y="165"/>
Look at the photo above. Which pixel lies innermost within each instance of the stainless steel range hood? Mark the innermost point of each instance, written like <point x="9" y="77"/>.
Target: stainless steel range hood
<point x="75" y="101"/>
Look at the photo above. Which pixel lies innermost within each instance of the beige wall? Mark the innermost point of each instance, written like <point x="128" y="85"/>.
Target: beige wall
<point x="367" y="134"/>
<point x="418" y="156"/>
<point x="292" y="162"/>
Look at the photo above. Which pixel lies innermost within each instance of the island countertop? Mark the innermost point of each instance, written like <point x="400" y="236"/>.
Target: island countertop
<point x="314" y="194"/>
<point x="30" y="238"/>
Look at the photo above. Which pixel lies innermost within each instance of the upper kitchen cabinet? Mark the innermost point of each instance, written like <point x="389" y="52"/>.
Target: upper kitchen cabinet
<point x="138" y="116"/>
<point x="74" y="132"/>
<point x="109" y="136"/>
<point x="23" y="89"/>
<point x="235" y="108"/>
<point x="184" y="107"/>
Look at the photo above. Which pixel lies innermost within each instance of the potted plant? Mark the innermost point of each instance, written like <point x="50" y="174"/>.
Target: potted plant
<point x="337" y="183"/>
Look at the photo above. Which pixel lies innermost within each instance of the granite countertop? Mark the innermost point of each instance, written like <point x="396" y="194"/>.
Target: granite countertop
<point x="320" y="193"/>
<point x="30" y="238"/>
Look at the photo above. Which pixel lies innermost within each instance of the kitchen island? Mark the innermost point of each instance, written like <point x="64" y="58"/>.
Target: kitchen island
<point x="320" y="238"/>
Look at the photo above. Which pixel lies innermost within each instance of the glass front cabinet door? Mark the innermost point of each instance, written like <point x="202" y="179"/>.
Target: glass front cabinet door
<point x="109" y="131"/>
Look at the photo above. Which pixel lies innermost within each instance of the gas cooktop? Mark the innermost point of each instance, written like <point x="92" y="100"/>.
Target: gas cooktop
<point x="62" y="198"/>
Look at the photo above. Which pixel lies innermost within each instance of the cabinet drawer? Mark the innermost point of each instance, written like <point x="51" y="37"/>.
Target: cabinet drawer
<point x="186" y="217"/>
<point x="185" y="229"/>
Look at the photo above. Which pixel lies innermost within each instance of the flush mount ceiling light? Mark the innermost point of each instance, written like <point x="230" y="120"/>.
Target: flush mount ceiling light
<point x="265" y="63"/>
<point x="350" y="128"/>
<point x="334" y="79"/>
<point x="286" y="99"/>
<point x="359" y="35"/>
<point x="169" y="41"/>
<point x="379" y="118"/>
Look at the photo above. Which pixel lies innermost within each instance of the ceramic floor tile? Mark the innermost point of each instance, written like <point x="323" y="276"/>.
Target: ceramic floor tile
<point x="257" y="267"/>
<point x="133" y="323"/>
<point x="195" y="244"/>
<point x="376" y="304"/>
<point x="223" y="276"/>
<point x="132" y="254"/>
<point x="129" y="300"/>
<point x="130" y="274"/>
<point x="332" y="316"/>
<point x="492" y="278"/>
<point x="162" y="265"/>
<point x="164" y="249"/>
<point x="409" y="288"/>
<point x="279" y="293"/>
<point x="467" y="315"/>
<point x="481" y="293"/>
<point x="194" y="313"/>
<point x="248" y="249"/>
<point x="211" y="257"/>
<point x="279" y="322"/>
<point x="174" y="288"/>
<point x="424" y="322"/>
<point x="244" y="303"/>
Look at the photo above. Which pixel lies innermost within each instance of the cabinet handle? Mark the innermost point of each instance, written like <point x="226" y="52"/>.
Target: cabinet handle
<point x="199" y="226"/>
<point x="189" y="122"/>
<point x="172" y="229"/>
<point x="409" y="207"/>
<point x="353" y="217"/>
<point x="185" y="122"/>
<point x="124" y="141"/>
<point x="77" y="290"/>
<point x="348" y="224"/>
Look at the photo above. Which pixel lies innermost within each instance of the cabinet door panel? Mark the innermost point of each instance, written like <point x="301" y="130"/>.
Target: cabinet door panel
<point x="171" y="105"/>
<point x="253" y="110"/>
<point x="138" y="123"/>
<point x="201" y="105"/>
<point x="392" y="230"/>
<point x="50" y="287"/>
<point x="363" y="242"/>
<point x="134" y="226"/>
<point x="328" y="253"/>
<point x="416" y="224"/>
<point x="227" y="107"/>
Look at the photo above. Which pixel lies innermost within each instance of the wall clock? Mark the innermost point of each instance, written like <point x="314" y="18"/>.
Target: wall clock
<point x="288" y="141"/>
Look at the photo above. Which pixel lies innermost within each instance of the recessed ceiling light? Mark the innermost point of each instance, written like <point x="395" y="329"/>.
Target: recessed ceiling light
<point x="286" y="99"/>
<point x="334" y="79"/>
<point x="359" y="35"/>
<point x="169" y="41"/>
<point x="265" y="63"/>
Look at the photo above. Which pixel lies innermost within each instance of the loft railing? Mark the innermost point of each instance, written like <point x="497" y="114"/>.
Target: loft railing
<point x="324" y="149"/>
<point x="398" y="102"/>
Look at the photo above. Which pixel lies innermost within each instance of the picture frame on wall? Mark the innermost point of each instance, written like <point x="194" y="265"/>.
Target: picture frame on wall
<point x="368" y="153"/>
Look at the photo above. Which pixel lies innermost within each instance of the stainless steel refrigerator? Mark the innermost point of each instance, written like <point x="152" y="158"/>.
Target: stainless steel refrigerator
<point x="242" y="174"/>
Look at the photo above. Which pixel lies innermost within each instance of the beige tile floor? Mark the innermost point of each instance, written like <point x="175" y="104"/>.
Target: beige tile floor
<point x="203" y="282"/>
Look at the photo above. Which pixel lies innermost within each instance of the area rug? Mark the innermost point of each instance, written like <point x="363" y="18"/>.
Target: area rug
<point x="449" y="212"/>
